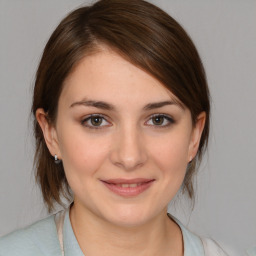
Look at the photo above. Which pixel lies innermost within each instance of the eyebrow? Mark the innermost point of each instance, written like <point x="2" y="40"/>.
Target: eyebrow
<point x="93" y="103"/>
<point x="151" y="106"/>
<point x="108" y="106"/>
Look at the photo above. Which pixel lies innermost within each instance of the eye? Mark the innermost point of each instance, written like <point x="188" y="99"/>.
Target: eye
<point x="95" y="121"/>
<point x="160" y="120"/>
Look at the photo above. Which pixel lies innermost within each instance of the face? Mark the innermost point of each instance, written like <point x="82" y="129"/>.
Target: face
<point x="124" y="140"/>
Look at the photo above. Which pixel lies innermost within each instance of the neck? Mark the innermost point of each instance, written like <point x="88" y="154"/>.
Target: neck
<point x="160" y="236"/>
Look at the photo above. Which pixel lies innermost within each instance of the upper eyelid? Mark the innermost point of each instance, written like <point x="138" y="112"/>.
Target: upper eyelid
<point x="93" y="115"/>
<point x="161" y="114"/>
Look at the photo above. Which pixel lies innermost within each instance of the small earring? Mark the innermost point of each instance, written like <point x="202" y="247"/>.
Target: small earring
<point x="56" y="160"/>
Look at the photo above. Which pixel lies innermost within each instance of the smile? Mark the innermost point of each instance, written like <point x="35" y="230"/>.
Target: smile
<point x="128" y="188"/>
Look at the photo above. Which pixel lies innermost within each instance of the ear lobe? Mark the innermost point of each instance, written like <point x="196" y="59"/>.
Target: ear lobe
<point x="196" y="135"/>
<point x="49" y="132"/>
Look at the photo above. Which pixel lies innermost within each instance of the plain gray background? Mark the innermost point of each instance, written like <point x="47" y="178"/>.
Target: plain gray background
<point x="224" y="32"/>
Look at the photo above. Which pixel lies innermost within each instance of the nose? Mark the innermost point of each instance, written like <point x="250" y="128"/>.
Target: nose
<point x="128" y="150"/>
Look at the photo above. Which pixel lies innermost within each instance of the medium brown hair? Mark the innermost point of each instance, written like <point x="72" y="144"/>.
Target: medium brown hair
<point x="141" y="33"/>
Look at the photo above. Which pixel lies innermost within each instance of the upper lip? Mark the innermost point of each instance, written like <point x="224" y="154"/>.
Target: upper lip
<point x="127" y="181"/>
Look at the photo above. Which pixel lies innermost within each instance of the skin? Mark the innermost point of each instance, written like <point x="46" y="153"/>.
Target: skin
<point x="127" y="144"/>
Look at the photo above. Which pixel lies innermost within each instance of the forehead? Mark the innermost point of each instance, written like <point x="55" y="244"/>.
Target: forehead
<point x="107" y="76"/>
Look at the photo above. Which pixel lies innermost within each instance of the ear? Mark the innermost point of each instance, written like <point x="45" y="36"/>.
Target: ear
<point x="49" y="132"/>
<point x="196" y="135"/>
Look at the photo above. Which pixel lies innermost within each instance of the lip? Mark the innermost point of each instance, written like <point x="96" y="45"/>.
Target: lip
<point x="118" y="187"/>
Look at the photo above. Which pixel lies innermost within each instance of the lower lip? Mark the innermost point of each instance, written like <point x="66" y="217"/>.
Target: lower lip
<point x="128" y="192"/>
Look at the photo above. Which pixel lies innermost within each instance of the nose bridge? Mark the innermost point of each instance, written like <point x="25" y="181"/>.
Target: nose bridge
<point x="129" y="151"/>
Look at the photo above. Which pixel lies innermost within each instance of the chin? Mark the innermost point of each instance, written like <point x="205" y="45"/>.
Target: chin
<point x="129" y="217"/>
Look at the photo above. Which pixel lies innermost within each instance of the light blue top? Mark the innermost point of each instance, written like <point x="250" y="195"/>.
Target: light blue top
<point x="41" y="239"/>
<point x="251" y="251"/>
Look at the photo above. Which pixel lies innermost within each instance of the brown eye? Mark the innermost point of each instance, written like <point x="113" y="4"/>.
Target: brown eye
<point x="96" y="120"/>
<point x="158" y="120"/>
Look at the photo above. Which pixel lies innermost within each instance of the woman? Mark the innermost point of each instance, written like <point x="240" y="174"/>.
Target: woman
<point x="121" y="109"/>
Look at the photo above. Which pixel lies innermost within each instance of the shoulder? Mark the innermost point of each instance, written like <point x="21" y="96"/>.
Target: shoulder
<point x="195" y="245"/>
<point x="39" y="239"/>
<point x="212" y="248"/>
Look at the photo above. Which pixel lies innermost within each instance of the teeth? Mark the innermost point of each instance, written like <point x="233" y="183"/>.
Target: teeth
<point x="134" y="185"/>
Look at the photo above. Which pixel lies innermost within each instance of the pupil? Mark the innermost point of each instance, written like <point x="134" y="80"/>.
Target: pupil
<point x="158" y="120"/>
<point x="96" y="121"/>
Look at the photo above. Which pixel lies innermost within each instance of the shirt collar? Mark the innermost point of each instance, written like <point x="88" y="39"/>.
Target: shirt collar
<point x="193" y="245"/>
<point x="71" y="246"/>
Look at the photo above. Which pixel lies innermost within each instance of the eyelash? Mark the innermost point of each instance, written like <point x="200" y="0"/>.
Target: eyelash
<point x="167" y="118"/>
<point x="89" y="118"/>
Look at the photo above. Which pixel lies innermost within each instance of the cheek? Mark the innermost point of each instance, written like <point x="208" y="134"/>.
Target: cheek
<point x="170" y="156"/>
<point x="172" y="150"/>
<point x="82" y="154"/>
